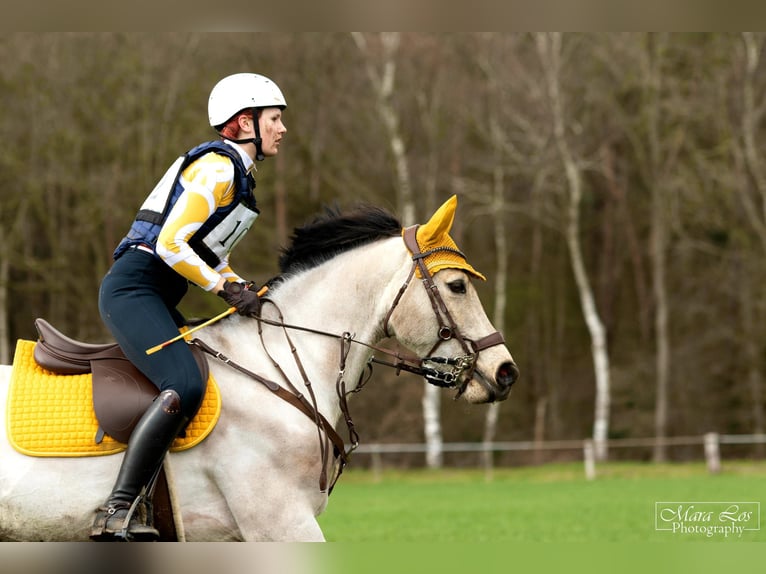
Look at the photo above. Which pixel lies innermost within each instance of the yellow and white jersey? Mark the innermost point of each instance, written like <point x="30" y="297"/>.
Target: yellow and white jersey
<point x="209" y="184"/>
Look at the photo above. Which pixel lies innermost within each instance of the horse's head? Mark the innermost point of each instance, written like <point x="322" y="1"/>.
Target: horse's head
<point x="445" y="323"/>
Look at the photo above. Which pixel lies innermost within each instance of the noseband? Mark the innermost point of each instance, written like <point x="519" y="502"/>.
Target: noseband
<point x="460" y="367"/>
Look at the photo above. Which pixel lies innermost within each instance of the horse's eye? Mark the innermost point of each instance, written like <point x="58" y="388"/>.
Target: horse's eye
<point x="457" y="286"/>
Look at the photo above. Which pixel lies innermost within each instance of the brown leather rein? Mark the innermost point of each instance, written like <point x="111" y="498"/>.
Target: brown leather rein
<point x="461" y="367"/>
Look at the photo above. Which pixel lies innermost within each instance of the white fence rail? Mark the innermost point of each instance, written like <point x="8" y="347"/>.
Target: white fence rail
<point x="710" y="444"/>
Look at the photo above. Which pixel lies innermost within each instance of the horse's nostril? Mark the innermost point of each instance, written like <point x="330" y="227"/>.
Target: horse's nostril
<point x="507" y="373"/>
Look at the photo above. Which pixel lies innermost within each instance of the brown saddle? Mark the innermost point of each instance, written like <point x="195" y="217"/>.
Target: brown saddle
<point x="121" y="393"/>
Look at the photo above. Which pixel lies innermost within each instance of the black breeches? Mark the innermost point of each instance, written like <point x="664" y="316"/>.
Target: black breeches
<point x="137" y="302"/>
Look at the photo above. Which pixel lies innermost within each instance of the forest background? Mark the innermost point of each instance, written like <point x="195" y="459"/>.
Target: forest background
<point x="611" y="186"/>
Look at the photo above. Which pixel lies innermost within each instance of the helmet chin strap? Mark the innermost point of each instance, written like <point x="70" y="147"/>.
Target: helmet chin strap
<point x="256" y="140"/>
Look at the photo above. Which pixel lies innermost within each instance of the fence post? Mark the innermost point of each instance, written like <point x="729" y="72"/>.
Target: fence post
<point x="712" y="453"/>
<point x="488" y="459"/>
<point x="377" y="466"/>
<point x="589" y="454"/>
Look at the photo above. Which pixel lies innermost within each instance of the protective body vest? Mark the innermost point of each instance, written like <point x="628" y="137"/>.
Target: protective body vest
<point x="222" y="230"/>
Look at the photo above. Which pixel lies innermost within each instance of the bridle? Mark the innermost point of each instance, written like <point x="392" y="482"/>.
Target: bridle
<point x="457" y="376"/>
<point x="463" y="367"/>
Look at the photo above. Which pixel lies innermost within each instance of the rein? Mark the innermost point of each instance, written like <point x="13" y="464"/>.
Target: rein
<point x="302" y="404"/>
<point x="461" y="367"/>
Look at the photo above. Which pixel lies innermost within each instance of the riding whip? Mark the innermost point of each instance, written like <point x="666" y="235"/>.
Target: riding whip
<point x="218" y="317"/>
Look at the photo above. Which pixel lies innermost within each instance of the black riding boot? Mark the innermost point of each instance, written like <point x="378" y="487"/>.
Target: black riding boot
<point x="147" y="446"/>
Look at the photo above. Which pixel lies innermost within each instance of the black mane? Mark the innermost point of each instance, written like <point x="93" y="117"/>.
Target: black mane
<point x="333" y="232"/>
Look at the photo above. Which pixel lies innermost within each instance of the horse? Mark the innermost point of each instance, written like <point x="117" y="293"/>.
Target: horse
<point x="348" y="281"/>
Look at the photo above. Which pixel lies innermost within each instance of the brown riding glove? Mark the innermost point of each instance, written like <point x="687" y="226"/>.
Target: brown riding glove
<point x="240" y="296"/>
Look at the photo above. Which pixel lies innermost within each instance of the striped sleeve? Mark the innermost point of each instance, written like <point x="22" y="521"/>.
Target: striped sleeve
<point x="208" y="184"/>
<point x="227" y="272"/>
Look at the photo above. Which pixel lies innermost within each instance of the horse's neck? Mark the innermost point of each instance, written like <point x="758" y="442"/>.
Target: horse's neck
<point x="351" y="293"/>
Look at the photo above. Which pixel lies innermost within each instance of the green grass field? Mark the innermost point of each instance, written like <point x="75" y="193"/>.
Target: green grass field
<point x="552" y="503"/>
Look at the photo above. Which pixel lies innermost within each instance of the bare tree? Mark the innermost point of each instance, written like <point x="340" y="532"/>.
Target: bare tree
<point x="549" y="49"/>
<point x="753" y="196"/>
<point x="516" y="145"/>
<point x="654" y="152"/>
<point x="497" y="210"/>
<point x="382" y="79"/>
<point x="658" y="237"/>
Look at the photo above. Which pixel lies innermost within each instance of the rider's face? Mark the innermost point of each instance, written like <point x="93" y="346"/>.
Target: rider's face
<point x="272" y="130"/>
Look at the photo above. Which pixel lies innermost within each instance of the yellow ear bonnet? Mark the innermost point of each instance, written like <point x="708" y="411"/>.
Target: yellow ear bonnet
<point x="435" y="234"/>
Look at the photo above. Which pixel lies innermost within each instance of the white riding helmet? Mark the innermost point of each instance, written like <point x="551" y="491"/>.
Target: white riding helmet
<point x="239" y="91"/>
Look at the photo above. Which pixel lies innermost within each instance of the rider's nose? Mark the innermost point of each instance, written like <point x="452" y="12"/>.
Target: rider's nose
<point x="507" y="373"/>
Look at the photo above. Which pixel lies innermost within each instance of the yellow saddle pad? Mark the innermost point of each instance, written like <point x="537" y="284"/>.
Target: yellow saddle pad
<point x="52" y="415"/>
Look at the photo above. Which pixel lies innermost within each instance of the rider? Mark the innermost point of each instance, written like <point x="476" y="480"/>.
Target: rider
<point x="183" y="233"/>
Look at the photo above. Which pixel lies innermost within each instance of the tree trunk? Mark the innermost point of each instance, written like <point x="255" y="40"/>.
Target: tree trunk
<point x="634" y="248"/>
<point x="752" y="352"/>
<point x="755" y="211"/>
<point x="549" y="48"/>
<point x="658" y="243"/>
<point x="501" y="289"/>
<point x="662" y="332"/>
<point x="383" y="85"/>
<point x="497" y="194"/>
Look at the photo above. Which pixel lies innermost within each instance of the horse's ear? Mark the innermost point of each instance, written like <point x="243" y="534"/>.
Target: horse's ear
<point x="433" y="232"/>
